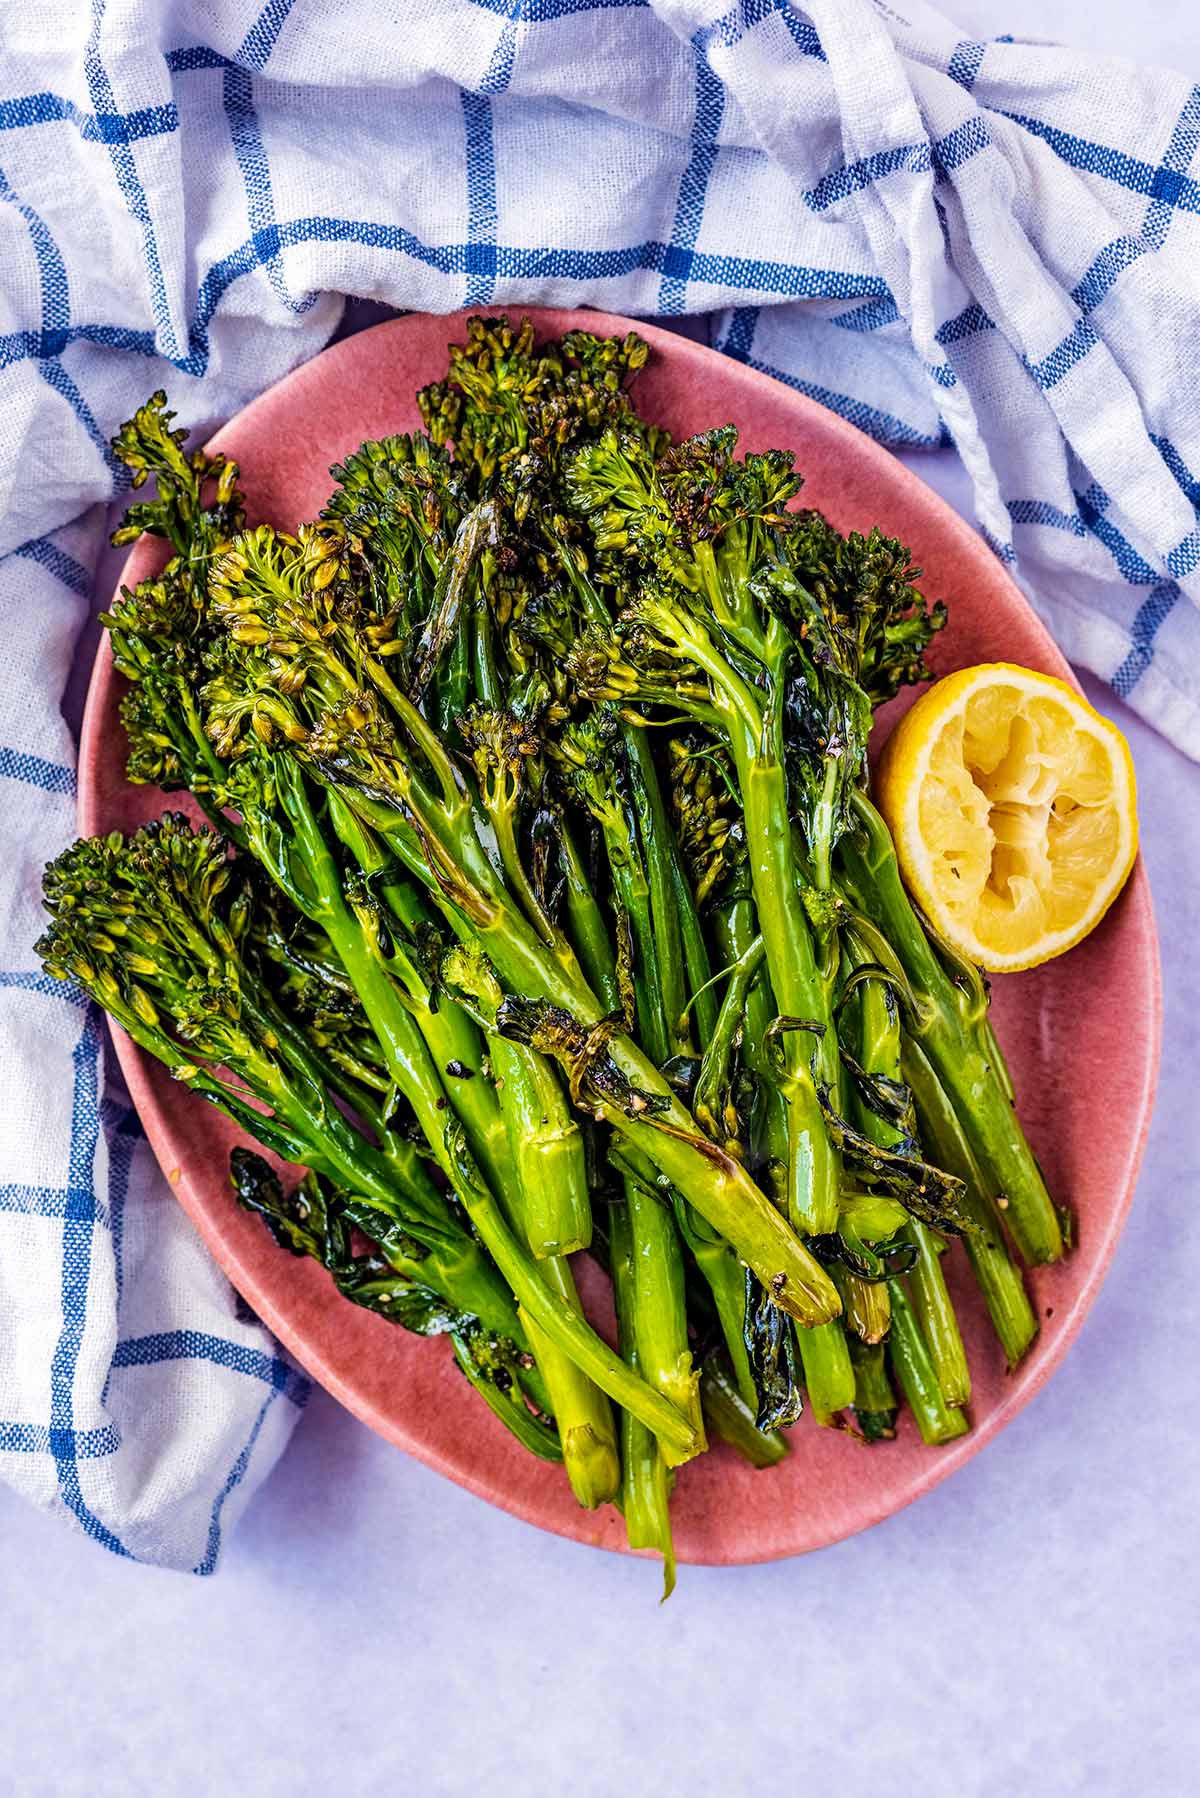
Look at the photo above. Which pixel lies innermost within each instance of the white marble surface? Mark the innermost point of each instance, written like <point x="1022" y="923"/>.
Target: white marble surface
<point x="1027" y="1628"/>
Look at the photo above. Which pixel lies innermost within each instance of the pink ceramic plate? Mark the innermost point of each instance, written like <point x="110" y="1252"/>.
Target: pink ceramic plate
<point x="1081" y="1034"/>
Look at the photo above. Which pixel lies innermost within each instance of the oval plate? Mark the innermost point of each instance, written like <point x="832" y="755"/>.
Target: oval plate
<point x="1081" y="1034"/>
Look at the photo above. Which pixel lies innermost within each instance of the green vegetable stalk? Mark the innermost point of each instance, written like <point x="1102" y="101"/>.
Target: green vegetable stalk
<point x="551" y="1180"/>
<point x="664" y="1357"/>
<point x="914" y="1369"/>
<point x="828" y="1373"/>
<point x="950" y="1024"/>
<point x="874" y="1400"/>
<point x="996" y="1273"/>
<point x="547" y="1151"/>
<point x="646" y="1491"/>
<point x="881" y="1059"/>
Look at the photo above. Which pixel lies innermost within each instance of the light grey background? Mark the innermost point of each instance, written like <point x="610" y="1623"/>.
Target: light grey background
<point x="1028" y="1628"/>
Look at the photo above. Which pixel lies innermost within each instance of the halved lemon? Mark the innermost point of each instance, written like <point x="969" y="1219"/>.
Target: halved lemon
<point x="1013" y="807"/>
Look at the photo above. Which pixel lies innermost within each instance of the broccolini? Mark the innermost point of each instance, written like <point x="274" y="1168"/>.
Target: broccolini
<point x="542" y="904"/>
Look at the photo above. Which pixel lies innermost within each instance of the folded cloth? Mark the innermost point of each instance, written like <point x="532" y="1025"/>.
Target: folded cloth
<point x="990" y="245"/>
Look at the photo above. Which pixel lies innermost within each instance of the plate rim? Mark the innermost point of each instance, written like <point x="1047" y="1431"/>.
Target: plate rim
<point x="950" y="1457"/>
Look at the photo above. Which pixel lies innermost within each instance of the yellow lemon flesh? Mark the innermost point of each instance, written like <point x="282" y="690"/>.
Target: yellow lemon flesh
<point x="1012" y="803"/>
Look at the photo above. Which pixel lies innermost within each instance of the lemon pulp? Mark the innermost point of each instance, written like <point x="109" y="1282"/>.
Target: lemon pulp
<point x="1012" y="804"/>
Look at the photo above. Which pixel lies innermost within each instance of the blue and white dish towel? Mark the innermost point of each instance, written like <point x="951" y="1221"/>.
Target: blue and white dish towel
<point x="987" y="244"/>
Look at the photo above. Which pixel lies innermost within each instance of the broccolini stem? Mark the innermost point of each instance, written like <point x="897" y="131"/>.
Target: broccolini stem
<point x="953" y="1031"/>
<point x="659" y="1313"/>
<point x="475" y="902"/>
<point x="703" y="1000"/>
<point x="457" y="1050"/>
<point x="874" y="1400"/>
<point x="453" y="1265"/>
<point x="725" y="1278"/>
<point x="406" y="1053"/>
<point x="736" y="930"/>
<point x="881" y="1054"/>
<point x="565" y="1326"/>
<point x="715" y="1077"/>
<point x="632" y="890"/>
<point x="318" y="1221"/>
<point x="646" y="1485"/>
<point x="583" y="1415"/>
<point x="725" y="1195"/>
<point x="452" y="1038"/>
<point x="341" y="1071"/>
<point x="999" y="1278"/>
<point x="551" y="1184"/>
<point x="589" y="933"/>
<point x="196" y="752"/>
<point x="828" y="1374"/>
<point x="715" y="1258"/>
<point x="546" y="1147"/>
<point x="656" y="837"/>
<point x="913" y="1367"/>
<point x="361" y="1085"/>
<point x="488" y="688"/>
<point x="998" y="1061"/>
<point x="642" y="883"/>
<point x="402" y="1160"/>
<point x="535" y="1429"/>
<point x="935" y="1314"/>
<point x="798" y="989"/>
<point x="822" y="843"/>
<point x="412" y="1068"/>
<point x="453" y="679"/>
<point x="502" y="818"/>
<point x="723" y="1273"/>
